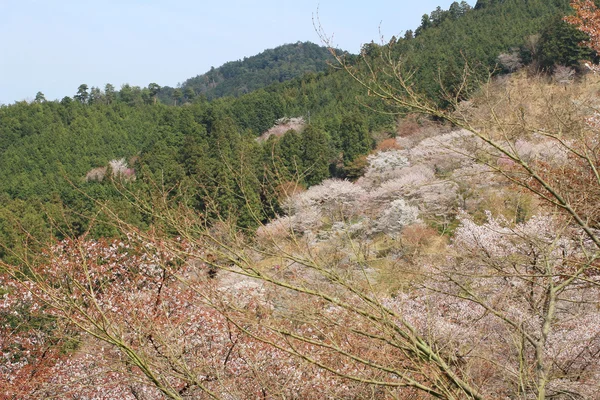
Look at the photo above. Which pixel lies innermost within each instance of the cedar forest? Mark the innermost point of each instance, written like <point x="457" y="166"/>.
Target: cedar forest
<point x="416" y="221"/>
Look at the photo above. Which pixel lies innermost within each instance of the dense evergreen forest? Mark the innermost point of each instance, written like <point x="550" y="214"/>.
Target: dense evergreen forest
<point x="236" y="78"/>
<point x="57" y="157"/>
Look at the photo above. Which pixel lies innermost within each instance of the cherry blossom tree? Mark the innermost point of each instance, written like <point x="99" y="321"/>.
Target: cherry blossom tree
<point x="199" y="309"/>
<point x="559" y="259"/>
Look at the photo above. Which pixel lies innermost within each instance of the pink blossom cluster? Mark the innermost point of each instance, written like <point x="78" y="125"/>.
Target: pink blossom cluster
<point x="486" y="306"/>
<point x="115" y="299"/>
<point x="118" y="167"/>
<point x="594" y="121"/>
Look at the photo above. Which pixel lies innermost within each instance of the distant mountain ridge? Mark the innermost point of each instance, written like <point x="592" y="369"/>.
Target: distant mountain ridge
<point x="236" y="78"/>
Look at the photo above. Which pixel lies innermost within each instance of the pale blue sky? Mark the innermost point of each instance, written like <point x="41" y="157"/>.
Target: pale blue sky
<point x="53" y="46"/>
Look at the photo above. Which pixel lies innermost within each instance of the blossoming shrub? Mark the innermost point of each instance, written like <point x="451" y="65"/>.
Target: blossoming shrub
<point x="497" y="307"/>
<point x="148" y="325"/>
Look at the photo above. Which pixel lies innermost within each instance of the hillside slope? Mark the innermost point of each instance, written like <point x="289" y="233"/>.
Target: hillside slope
<point x="438" y="50"/>
<point x="44" y="142"/>
<point x="236" y="78"/>
<point x="432" y="261"/>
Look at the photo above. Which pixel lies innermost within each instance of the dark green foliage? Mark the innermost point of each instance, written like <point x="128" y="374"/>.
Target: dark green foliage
<point x="443" y="44"/>
<point x="560" y="45"/>
<point x="316" y="153"/>
<point x="301" y="156"/>
<point x="21" y="226"/>
<point x="289" y="154"/>
<point x="82" y="94"/>
<point x="109" y="93"/>
<point x="354" y="137"/>
<point x="483" y="4"/>
<point x="244" y="76"/>
<point x="39" y="97"/>
<point x="256" y="111"/>
<point x="438" y="16"/>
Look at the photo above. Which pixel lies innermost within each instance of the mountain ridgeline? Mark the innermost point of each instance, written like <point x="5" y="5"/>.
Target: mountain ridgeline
<point x="448" y="40"/>
<point x="194" y="139"/>
<point x="237" y="78"/>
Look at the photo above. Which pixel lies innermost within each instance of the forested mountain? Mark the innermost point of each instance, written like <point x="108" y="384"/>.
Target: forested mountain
<point x="236" y="78"/>
<point x="446" y="40"/>
<point x="47" y="149"/>
<point x="361" y="232"/>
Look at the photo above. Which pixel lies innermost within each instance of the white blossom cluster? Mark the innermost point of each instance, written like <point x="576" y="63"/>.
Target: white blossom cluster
<point x="544" y="150"/>
<point x="492" y="292"/>
<point x="594" y="121"/>
<point x="118" y="168"/>
<point x="332" y="196"/>
<point x="396" y="216"/>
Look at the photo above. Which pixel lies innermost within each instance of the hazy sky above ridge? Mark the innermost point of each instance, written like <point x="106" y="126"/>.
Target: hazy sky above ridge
<point x="53" y="46"/>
